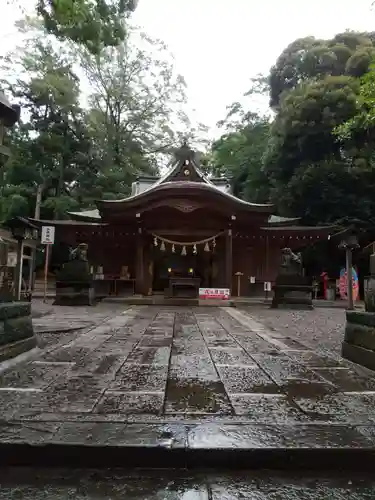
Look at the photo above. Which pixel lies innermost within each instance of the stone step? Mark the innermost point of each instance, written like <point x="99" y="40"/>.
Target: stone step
<point x="201" y="484"/>
<point x="177" y="445"/>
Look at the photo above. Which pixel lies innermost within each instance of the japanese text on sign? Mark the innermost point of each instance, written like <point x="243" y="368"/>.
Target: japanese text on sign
<point x="48" y="235"/>
<point x="214" y="293"/>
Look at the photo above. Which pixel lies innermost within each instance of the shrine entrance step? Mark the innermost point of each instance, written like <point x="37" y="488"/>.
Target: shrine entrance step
<point x="155" y="300"/>
<point x="160" y="300"/>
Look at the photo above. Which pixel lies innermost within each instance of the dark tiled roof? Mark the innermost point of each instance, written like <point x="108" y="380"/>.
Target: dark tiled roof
<point x="10" y="114"/>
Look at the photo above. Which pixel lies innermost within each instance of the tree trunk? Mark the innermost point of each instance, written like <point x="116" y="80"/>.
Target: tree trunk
<point x="38" y="201"/>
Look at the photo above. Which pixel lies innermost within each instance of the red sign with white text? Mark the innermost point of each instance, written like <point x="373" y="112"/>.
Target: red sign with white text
<point x="214" y="293"/>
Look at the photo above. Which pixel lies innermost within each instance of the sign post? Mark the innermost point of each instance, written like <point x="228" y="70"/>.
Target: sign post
<point x="47" y="239"/>
<point x="267" y="288"/>
<point x="214" y="293"/>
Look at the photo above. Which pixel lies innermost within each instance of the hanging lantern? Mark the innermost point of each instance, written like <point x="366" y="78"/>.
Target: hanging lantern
<point x="162" y="246"/>
<point x="207" y="247"/>
<point x="155" y="241"/>
<point x="195" y="249"/>
<point x="173" y="249"/>
<point x="214" y="243"/>
<point x="183" y="251"/>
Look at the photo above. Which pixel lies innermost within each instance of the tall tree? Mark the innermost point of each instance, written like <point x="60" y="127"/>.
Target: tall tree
<point x="135" y="107"/>
<point x="359" y="130"/>
<point x="48" y="145"/>
<point x="318" y="169"/>
<point x="92" y="23"/>
<point x="306" y="59"/>
<point x="238" y="153"/>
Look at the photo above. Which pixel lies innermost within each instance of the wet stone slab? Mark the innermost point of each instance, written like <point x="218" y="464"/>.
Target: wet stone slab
<point x="253" y="386"/>
<point x="347" y="380"/>
<point x="231" y="356"/>
<point x="194" y="396"/>
<point x="130" y="403"/>
<point x="254" y="345"/>
<point x="332" y="408"/>
<point x="32" y="432"/>
<point x="246" y="380"/>
<point x="33" y="375"/>
<point x="120" y="484"/>
<point x="267" y="408"/>
<point x="313" y="360"/>
<point x="105" y="365"/>
<point x="134" y="377"/>
<point x="281" y="368"/>
<point x="123" y="434"/>
<point x="150" y="356"/>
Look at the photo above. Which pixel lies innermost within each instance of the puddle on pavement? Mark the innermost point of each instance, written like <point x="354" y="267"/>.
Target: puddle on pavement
<point x="196" y="396"/>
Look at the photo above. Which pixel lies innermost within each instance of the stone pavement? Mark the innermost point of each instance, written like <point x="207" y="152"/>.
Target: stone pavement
<point x="321" y="329"/>
<point x="172" y="386"/>
<point x="37" y="484"/>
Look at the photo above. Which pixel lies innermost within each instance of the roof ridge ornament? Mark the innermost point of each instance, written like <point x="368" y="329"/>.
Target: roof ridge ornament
<point x="185" y="153"/>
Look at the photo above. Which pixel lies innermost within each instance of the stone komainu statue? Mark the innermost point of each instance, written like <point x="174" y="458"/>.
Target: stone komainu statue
<point x="74" y="284"/>
<point x="291" y="263"/>
<point x="79" y="253"/>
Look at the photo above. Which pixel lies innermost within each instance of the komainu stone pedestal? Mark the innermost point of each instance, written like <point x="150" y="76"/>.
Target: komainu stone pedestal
<point x="16" y="329"/>
<point x="292" y="292"/>
<point x="359" y="339"/>
<point x="74" y="285"/>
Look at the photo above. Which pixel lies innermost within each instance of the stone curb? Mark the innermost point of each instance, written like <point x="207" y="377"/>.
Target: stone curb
<point x="180" y="445"/>
<point x="87" y="456"/>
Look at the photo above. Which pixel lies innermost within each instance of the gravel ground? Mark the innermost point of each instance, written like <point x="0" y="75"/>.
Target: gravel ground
<point x="322" y="328"/>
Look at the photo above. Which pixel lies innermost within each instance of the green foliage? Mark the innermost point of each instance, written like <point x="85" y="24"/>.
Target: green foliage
<point x="361" y="127"/>
<point x="309" y="59"/>
<point x="302" y="130"/>
<point x="238" y="155"/>
<point x="319" y="160"/>
<point x="315" y="160"/>
<point x="65" y="156"/>
<point x="92" y="23"/>
<point x="135" y="94"/>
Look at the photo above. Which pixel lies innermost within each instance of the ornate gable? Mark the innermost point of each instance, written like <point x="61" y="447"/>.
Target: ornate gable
<point x="185" y="168"/>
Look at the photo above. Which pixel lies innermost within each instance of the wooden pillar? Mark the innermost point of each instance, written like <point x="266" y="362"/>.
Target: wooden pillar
<point x="139" y="266"/>
<point x="228" y="259"/>
<point x="267" y="270"/>
<point x="18" y="273"/>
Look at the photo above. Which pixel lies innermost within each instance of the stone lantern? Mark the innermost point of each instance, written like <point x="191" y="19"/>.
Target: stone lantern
<point x="370" y="285"/>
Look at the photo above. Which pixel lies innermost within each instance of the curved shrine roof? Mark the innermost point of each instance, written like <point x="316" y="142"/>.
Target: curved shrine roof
<point x="189" y="189"/>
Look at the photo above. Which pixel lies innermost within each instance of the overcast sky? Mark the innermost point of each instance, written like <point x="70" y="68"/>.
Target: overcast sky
<point x="220" y="44"/>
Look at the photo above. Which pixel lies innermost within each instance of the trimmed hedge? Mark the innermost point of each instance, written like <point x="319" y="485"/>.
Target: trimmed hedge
<point x="15" y="322"/>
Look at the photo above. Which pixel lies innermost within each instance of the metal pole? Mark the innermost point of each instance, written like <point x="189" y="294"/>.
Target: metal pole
<point x="349" y="276"/>
<point x="46" y="262"/>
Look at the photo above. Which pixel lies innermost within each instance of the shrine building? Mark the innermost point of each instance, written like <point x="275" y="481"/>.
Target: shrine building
<point x="181" y="232"/>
